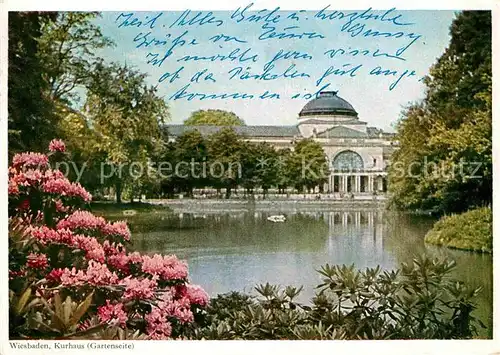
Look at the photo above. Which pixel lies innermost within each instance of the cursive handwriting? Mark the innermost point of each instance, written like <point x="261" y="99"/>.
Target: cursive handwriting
<point x="198" y="19"/>
<point x="314" y="49"/>
<point x="338" y="52"/>
<point x="129" y="20"/>
<point x="270" y="33"/>
<point x="235" y="55"/>
<point x="244" y="74"/>
<point x="265" y="15"/>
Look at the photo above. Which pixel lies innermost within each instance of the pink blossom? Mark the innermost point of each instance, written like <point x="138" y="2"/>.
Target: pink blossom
<point x="138" y="289"/>
<point x="167" y="267"/>
<point x="96" y="274"/>
<point x="15" y="274"/>
<point x="46" y="235"/>
<point x="197" y="295"/>
<point x="37" y="261"/>
<point x="81" y="220"/>
<point x="77" y="190"/>
<point x="119" y="228"/>
<point x="180" y="309"/>
<point x="99" y="274"/>
<point x="57" y="145"/>
<point x="113" y="314"/>
<point x="13" y="187"/>
<point x="135" y="257"/>
<point x="53" y="174"/>
<point x="91" y="245"/>
<point x="28" y="178"/>
<point x="60" y="206"/>
<point x="73" y="277"/>
<point x="158" y="327"/>
<point x="113" y="248"/>
<point x="55" y="275"/>
<point x="152" y="265"/>
<point x="119" y="262"/>
<point x="64" y="187"/>
<point x="178" y="271"/>
<point x="30" y="160"/>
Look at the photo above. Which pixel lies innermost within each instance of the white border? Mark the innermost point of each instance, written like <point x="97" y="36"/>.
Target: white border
<point x="255" y="347"/>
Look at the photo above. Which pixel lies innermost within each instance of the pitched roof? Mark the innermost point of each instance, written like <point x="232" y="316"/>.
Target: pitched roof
<point x="342" y="132"/>
<point x="252" y="131"/>
<point x="319" y="121"/>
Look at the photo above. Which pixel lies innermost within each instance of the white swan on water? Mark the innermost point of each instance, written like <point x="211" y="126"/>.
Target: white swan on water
<point x="277" y="218"/>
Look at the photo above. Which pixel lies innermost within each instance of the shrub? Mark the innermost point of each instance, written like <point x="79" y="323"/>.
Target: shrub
<point x="70" y="274"/>
<point x="472" y="230"/>
<point x="418" y="301"/>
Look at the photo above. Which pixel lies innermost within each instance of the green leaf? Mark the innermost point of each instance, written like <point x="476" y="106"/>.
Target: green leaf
<point x="23" y="300"/>
<point x="81" y="309"/>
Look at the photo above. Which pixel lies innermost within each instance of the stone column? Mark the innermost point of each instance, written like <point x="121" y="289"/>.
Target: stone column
<point x="370" y="184"/>
<point x="358" y="183"/>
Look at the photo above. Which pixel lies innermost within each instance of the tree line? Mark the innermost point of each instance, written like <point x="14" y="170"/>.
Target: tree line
<point x="240" y="163"/>
<point x="451" y="128"/>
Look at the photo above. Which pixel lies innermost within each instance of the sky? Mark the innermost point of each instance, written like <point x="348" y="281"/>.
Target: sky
<point x="320" y="44"/>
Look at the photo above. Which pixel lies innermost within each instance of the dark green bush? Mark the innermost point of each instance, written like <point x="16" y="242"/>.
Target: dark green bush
<point x="472" y="230"/>
<point x="418" y="301"/>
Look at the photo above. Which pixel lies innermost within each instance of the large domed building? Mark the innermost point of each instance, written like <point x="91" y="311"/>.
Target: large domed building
<point x="358" y="154"/>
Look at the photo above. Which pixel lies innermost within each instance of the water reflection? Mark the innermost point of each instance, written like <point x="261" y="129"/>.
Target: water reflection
<point x="237" y="250"/>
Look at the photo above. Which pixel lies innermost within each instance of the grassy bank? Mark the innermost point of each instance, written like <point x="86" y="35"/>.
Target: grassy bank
<point x="471" y="230"/>
<point x="131" y="209"/>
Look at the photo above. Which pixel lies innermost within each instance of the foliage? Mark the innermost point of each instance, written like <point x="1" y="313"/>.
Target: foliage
<point x="70" y="275"/>
<point x="51" y="57"/>
<point x="418" y="301"/>
<point x="472" y="230"/>
<point x="226" y="151"/>
<point x="213" y="118"/>
<point x="126" y="116"/>
<point x="444" y="138"/>
<point x="190" y="148"/>
<point x="226" y="159"/>
<point x="308" y="165"/>
<point x="29" y="109"/>
<point x="67" y="50"/>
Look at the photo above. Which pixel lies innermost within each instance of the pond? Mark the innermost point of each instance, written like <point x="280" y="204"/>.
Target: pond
<point x="236" y="250"/>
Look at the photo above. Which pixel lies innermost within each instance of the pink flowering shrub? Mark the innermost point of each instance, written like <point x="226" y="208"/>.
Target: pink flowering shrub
<point x="57" y="145"/>
<point x="62" y="259"/>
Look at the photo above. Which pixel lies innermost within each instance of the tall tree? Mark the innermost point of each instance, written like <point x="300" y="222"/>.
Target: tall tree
<point x="267" y="168"/>
<point x="447" y="136"/>
<point x="68" y="48"/>
<point x="126" y="116"/>
<point x="308" y="165"/>
<point x="190" y="153"/>
<point x="213" y="118"/>
<point x="30" y="111"/>
<point x="283" y="173"/>
<point x="225" y="150"/>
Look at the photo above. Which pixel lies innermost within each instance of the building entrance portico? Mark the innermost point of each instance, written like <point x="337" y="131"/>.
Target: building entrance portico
<point x="362" y="182"/>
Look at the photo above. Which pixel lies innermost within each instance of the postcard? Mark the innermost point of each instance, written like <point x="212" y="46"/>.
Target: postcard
<point x="278" y="172"/>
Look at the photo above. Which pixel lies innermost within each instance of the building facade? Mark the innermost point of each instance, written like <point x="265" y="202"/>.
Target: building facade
<point x="358" y="155"/>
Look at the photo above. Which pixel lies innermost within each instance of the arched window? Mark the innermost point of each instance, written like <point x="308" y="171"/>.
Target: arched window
<point x="347" y="160"/>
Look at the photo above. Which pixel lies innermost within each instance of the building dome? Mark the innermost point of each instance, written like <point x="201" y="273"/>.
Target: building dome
<point x="328" y="104"/>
